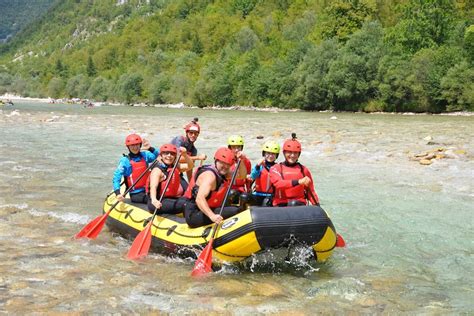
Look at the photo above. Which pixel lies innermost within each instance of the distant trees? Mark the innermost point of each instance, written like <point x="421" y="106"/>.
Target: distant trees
<point x="357" y="55"/>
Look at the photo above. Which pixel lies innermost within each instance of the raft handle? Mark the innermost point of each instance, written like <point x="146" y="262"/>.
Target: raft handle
<point x="145" y="221"/>
<point x="171" y="230"/>
<point x="206" y="232"/>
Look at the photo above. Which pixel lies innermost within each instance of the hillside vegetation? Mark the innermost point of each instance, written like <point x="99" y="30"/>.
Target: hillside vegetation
<point x="16" y="14"/>
<point x="369" y="55"/>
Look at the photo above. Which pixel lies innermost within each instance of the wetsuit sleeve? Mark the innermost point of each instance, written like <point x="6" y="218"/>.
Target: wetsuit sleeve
<point x="123" y="170"/>
<point x="154" y="151"/>
<point x="312" y="195"/>
<point x="256" y="171"/>
<point x="150" y="156"/>
<point x="277" y="179"/>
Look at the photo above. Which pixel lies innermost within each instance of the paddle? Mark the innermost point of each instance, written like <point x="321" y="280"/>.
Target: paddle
<point x="93" y="229"/>
<point x="339" y="240"/>
<point x="203" y="263"/>
<point x="142" y="242"/>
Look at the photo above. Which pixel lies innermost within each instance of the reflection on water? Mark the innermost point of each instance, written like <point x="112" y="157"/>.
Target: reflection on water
<point x="407" y="226"/>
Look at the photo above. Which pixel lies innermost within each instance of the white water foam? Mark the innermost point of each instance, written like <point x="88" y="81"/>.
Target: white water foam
<point x="21" y="206"/>
<point x="67" y="217"/>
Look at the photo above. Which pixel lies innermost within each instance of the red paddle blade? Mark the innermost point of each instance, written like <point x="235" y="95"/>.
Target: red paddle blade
<point x="340" y="241"/>
<point x="141" y="244"/>
<point x="203" y="263"/>
<point x="93" y="229"/>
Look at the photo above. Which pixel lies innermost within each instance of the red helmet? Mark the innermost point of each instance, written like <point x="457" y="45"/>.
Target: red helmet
<point x="292" y="144"/>
<point x="133" y="139"/>
<point x="193" y="126"/>
<point x="225" y="155"/>
<point x="168" y="148"/>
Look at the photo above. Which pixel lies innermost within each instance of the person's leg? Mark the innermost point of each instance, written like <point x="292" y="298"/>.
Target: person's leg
<point x="140" y="197"/>
<point x="194" y="217"/>
<point x="233" y="197"/>
<point x="228" y="211"/>
<point x="295" y="203"/>
<point x="244" y="200"/>
<point x="172" y="206"/>
<point x="151" y="207"/>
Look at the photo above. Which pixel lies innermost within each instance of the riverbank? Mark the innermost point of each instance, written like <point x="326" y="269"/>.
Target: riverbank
<point x="181" y="105"/>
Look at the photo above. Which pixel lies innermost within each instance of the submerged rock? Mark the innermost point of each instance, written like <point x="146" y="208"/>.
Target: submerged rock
<point x="426" y="162"/>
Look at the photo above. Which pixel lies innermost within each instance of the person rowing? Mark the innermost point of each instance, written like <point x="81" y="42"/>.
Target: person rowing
<point x="292" y="181"/>
<point x="192" y="131"/>
<point x="132" y="165"/>
<point x="207" y="190"/>
<point x="172" y="203"/>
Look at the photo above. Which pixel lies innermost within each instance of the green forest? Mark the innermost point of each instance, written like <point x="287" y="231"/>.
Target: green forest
<point x="16" y="14"/>
<point x="342" y="55"/>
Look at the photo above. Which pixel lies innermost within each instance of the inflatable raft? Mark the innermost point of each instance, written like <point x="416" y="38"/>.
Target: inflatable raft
<point x="238" y="237"/>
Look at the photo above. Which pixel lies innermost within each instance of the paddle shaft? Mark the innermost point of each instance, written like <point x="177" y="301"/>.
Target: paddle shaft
<point x="203" y="263"/>
<point x="234" y="175"/>
<point x="142" y="242"/>
<point x="133" y="184"/>
<point x="312" y="196"/>
<point x="167" y="184"/>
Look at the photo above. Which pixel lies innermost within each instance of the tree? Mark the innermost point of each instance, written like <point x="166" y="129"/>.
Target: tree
<point x="130" y="87"/>
<point x="61" y="70"/>
<point x="427" y="68"/>
<point x="351" y="76"/>
<point x="423" y="24"/>
<point x="244" y="6"/>
<point x="99" y="89"/>
<point x="344" y="17"/>
<point x="55" y="87"/>
<point x="77" y="86"/>
<point x="458" y="87"/>
<point x="469" y="43"/>
<point x="91" y="69"/>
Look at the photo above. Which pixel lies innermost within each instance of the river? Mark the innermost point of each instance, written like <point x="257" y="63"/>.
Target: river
<point x="408" y="227"/>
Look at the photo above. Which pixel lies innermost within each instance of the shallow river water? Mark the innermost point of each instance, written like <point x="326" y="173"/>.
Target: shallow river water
<point x="408" y="227"/>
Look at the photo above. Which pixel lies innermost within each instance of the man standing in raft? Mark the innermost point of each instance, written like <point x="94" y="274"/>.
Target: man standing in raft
<point x="292" y="181"/>
<point x="207" y="189"/>
<point x="192" y="130"/>
<point x="131" y="166"/>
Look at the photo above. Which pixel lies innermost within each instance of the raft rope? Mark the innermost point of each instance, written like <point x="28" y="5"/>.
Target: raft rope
<point x="203" y="235"/>
<point x="129" y="214"/>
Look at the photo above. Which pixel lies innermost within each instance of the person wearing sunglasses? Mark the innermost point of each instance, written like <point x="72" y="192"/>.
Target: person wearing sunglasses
<point x="160" y="174"/>
<point x="192" y="131"/>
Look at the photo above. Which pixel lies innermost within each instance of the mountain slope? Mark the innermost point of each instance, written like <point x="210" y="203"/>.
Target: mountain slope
<point x="314" y="54"/>
<point x="16" y="14"/>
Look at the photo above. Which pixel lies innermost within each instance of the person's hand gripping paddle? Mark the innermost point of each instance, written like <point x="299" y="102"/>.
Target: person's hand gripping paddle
<point x="141" y="244"/>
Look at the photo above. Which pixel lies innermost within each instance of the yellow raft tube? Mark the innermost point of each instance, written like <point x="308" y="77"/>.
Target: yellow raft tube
<point x="238" y="237"/>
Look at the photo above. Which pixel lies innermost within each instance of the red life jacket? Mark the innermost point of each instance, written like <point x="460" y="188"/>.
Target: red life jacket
<point x="295" y="172"/>
<point x="263" y="183"/>
<point x="174" y="189"/>
<point x="242" y="185"/>
<point x="138" y="167"/>
<point x="216" y="197"/>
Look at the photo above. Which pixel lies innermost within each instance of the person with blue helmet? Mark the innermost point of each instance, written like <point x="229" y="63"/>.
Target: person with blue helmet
<point x="132" y="165"/>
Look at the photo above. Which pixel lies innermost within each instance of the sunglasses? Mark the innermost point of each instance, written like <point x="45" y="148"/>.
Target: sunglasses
<point x="168" y="153"/>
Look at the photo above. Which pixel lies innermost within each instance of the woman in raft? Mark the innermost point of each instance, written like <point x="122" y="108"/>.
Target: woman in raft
<point x="172" y="203"/>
